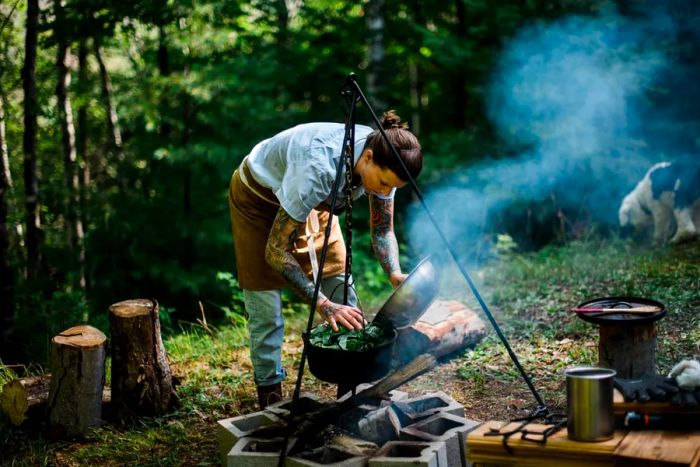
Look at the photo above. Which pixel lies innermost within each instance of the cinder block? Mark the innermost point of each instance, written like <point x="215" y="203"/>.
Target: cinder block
<point x="394" y="396"/>
<point x="380" y="426"/>
<point x="427" y="405"/>
<point x="326" y="457"/>
<point x="411" y="453"/>
<point x="306" y="403"/>
<point x="444" y="427"/>
<point x="257" y="452"/>
<point x="230" y="430"/>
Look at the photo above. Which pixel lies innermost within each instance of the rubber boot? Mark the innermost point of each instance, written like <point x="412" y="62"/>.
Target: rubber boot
<point x="268" y="395"/>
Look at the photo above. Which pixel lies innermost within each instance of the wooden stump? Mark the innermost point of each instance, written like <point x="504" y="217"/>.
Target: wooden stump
<point x="141" y="379"/>
<point x="78" y="372"/>
<point x="628" y="349"/>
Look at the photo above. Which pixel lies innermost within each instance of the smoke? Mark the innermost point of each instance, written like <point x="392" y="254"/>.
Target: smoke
<point x="589" y="103"/>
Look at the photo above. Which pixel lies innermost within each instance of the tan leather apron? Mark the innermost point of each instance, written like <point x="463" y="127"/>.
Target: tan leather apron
<point x="253" y="209"/>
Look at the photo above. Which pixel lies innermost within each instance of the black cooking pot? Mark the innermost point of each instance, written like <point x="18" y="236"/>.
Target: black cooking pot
<point x="350" y="366"/>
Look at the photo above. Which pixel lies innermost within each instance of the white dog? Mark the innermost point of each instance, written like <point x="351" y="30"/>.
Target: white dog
<point x="669" y="198"/>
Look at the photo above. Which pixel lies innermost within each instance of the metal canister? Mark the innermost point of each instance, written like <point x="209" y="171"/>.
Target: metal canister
<point x="589" y="398"/>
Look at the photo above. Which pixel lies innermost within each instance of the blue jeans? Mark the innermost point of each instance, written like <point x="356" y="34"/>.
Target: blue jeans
<point x="266" y="327"/>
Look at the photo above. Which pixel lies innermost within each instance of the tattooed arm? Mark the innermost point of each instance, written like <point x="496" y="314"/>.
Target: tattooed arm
<point x="386" y="248"/>
<point x="278" y="254"/>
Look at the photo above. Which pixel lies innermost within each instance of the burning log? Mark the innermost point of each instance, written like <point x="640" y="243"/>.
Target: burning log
<point x="305" y="426"/>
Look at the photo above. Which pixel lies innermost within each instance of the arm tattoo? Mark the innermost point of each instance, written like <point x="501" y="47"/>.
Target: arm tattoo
<point x="382" y="232"/>
<point x="278" y="254"/>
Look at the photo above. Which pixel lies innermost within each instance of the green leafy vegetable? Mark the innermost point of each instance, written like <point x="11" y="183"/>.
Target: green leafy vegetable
<point x="358" y="339"/>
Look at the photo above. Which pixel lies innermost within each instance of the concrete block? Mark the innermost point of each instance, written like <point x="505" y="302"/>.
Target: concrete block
<point x="326" y="456"/>
<point x="230" y="430"/>
<point x="393" y="396"/>
<point x="380" y="426"/>
<point x="306" y="403"/>
<point x="257" y="452"/>
<point x="411" y="454"/>
<point x="427" y="405"/>
<point x="444" y="427"/>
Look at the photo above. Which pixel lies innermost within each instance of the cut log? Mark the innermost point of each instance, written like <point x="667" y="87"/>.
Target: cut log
<point x="78" y="369"/>
<point x="628" y="349"/>
<point x="24" y="399"/>
<point x="141" y="379"/>
<point x="446" y="327"/>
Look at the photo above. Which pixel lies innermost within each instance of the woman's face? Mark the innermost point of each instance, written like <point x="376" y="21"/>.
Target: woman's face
<point x="375" y="179"/>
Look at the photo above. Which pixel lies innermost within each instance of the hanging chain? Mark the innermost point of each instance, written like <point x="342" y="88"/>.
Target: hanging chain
<point x="349" y="168"/>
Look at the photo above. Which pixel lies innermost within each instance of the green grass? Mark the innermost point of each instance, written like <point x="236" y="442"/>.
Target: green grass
<point x="529" y="295"/>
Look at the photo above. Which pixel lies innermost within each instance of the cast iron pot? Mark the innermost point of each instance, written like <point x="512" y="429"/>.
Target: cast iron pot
<point x="350" y="366"/>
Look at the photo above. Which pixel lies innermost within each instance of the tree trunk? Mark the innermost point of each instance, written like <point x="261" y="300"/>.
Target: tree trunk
<point x="414" y="72"/>
<point x="31" y="184"/>
<point x="282" y="24"/>
<point x="375" y="25"/>
<point x="164" y="70"/>
<point x="188" y="247"/>
<point x="78" y="376"/>
<point x="112" y="117"/>
<point x="7" y="273"/>
<point x="84" y="165"/>
<point x="459" y="83"/>
<point x="74" y="224"/>
<point x="141" y="378"/>
<point x="628" y="349"/>
<point x="82" y="133"/>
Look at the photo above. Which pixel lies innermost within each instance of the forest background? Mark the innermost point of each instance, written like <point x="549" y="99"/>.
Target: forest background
<point x="121" y="123"/>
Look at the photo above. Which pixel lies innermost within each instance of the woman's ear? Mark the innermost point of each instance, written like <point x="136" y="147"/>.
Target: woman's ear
<point x="367" y="155"/>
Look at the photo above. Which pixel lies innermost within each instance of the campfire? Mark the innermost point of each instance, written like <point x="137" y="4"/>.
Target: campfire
<point x="378" y="422"/>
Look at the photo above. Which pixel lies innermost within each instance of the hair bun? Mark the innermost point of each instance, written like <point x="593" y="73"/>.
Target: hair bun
<point x="392" y="121"/>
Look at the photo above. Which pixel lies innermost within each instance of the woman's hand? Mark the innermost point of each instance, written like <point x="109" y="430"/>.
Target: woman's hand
<point x="397" y="278"/>
<point x="334" y="313"/>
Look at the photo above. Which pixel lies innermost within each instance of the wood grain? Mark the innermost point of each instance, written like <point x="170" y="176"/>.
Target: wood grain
<point x="663" y="446"/>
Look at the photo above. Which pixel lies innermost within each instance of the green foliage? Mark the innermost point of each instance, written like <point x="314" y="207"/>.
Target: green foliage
<point x="359" y="340"/>
<point x="195" y="86"/>
<point x="235" y="311"/>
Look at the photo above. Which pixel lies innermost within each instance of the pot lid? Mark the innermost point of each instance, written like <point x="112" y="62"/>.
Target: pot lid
<point x="620" y="318"/>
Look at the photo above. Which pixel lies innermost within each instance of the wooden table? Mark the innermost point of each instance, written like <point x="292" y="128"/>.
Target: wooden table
<point x="633" y="448"/>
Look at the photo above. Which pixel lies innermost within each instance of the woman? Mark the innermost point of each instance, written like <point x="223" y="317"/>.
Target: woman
<point x="279" y="200"/>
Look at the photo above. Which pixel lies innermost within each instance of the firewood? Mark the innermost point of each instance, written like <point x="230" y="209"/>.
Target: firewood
<point x="142" y="383"/>
<point x="302" y="426"/>
<point x="25" y="398"/>
<point x="78" y="369"/>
